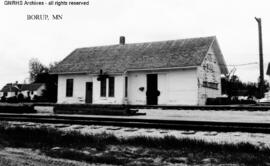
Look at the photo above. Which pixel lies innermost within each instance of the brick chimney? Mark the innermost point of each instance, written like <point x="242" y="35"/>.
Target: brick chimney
<point x="122" y="40"/>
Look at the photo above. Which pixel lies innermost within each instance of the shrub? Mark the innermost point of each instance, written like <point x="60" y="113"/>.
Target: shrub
<point x="12" y="99"/>
<point x="227" y="101"/>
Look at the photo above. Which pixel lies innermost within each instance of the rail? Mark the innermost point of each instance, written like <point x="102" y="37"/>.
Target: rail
<point x="141" y="123"/>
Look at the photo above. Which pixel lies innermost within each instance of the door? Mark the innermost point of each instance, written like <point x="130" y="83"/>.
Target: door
<point x="89" y="92"/>
<point x="152" y="92"/>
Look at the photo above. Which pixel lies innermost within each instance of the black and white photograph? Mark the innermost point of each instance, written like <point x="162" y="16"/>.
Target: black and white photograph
<point x="135" y="83"/>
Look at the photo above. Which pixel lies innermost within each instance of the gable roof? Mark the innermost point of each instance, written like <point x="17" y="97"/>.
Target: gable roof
<point x="151" y="55"/>
<point x="21" y="87"/>
<point x="31" y="87"/>
<point x="10" y="88"/>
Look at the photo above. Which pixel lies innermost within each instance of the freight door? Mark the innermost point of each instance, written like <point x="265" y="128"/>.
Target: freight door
<point x="89" y="92"/>
<point x="152" y="92"/>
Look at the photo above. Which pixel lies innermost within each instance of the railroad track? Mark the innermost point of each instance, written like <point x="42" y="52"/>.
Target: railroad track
<point x="141" y="123"/>
<point x="246" y="107"/>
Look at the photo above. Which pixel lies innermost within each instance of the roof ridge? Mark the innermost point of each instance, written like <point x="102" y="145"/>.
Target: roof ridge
<point x="149" y="42"/>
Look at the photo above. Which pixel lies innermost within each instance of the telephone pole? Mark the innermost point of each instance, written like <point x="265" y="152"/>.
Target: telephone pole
<point x="261" y="78"/>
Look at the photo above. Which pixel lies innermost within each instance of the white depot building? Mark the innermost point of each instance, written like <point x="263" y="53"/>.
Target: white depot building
<point x="174" y="72"/>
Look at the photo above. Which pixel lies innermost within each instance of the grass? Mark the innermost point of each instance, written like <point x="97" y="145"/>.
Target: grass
<point x="70" y="142"/>
<point x="78" y="155"/>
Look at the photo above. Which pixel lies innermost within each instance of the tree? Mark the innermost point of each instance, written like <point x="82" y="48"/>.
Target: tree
<point x="234" y="87"/>
<point x="231" y="85"/>
<point x="39" y="73"/>
<point x="52" y="65"/>
<point x="36" y="68"/>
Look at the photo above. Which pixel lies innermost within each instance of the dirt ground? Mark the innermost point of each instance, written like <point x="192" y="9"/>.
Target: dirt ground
<point x="196" y="115"/>
<point x="23" y="157"/>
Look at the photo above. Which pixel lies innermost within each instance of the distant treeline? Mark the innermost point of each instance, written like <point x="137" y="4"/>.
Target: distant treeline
<point x="234" y="87"/>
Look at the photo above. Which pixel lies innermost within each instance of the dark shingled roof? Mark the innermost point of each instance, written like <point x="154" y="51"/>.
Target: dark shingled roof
<point x="10" y="88"/>
<point x="152" y="55"/>
<point x="21" y="87"/>
<point x="31" y="87"/>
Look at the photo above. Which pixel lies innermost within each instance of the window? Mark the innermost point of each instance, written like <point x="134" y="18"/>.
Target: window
<point x="103" y="87"/>
<point x="126" y="86"/>
<point x="69" y="88"/>
<point x="111" y="86"/>
<point x="5" y="94"/>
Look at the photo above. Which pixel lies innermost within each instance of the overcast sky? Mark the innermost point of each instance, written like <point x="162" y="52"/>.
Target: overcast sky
<point x="103" y="21"/>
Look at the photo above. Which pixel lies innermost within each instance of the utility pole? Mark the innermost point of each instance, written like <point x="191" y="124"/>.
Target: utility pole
<point x="261" y="79"/>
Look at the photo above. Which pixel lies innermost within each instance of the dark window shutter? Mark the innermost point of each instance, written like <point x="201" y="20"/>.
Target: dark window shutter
<point x="126" y="86"/>
<point x="103" y="87"/>
<point x="111" y="86"/>
<point x="69" y="88"/>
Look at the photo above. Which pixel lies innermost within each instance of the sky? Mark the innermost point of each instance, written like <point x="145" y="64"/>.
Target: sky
<point x="103" y="21"/>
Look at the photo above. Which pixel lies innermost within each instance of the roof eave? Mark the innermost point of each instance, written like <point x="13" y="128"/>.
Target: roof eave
<point x="79" y="72"/>
<point x="128" y="70"/>
<point x="168" y="68"/>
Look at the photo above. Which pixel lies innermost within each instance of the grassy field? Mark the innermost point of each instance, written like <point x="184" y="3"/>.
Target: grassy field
<point x="108" y="149"/>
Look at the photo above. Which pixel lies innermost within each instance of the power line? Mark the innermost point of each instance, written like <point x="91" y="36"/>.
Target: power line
<point x="242" y="64"/>
<point x="245" y="64"/>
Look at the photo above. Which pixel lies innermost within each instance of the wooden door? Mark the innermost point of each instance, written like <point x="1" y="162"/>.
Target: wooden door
<point x="152" y="92"/>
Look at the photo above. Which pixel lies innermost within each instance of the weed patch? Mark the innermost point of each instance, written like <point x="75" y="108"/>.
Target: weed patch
<point x="74" y="145"/>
